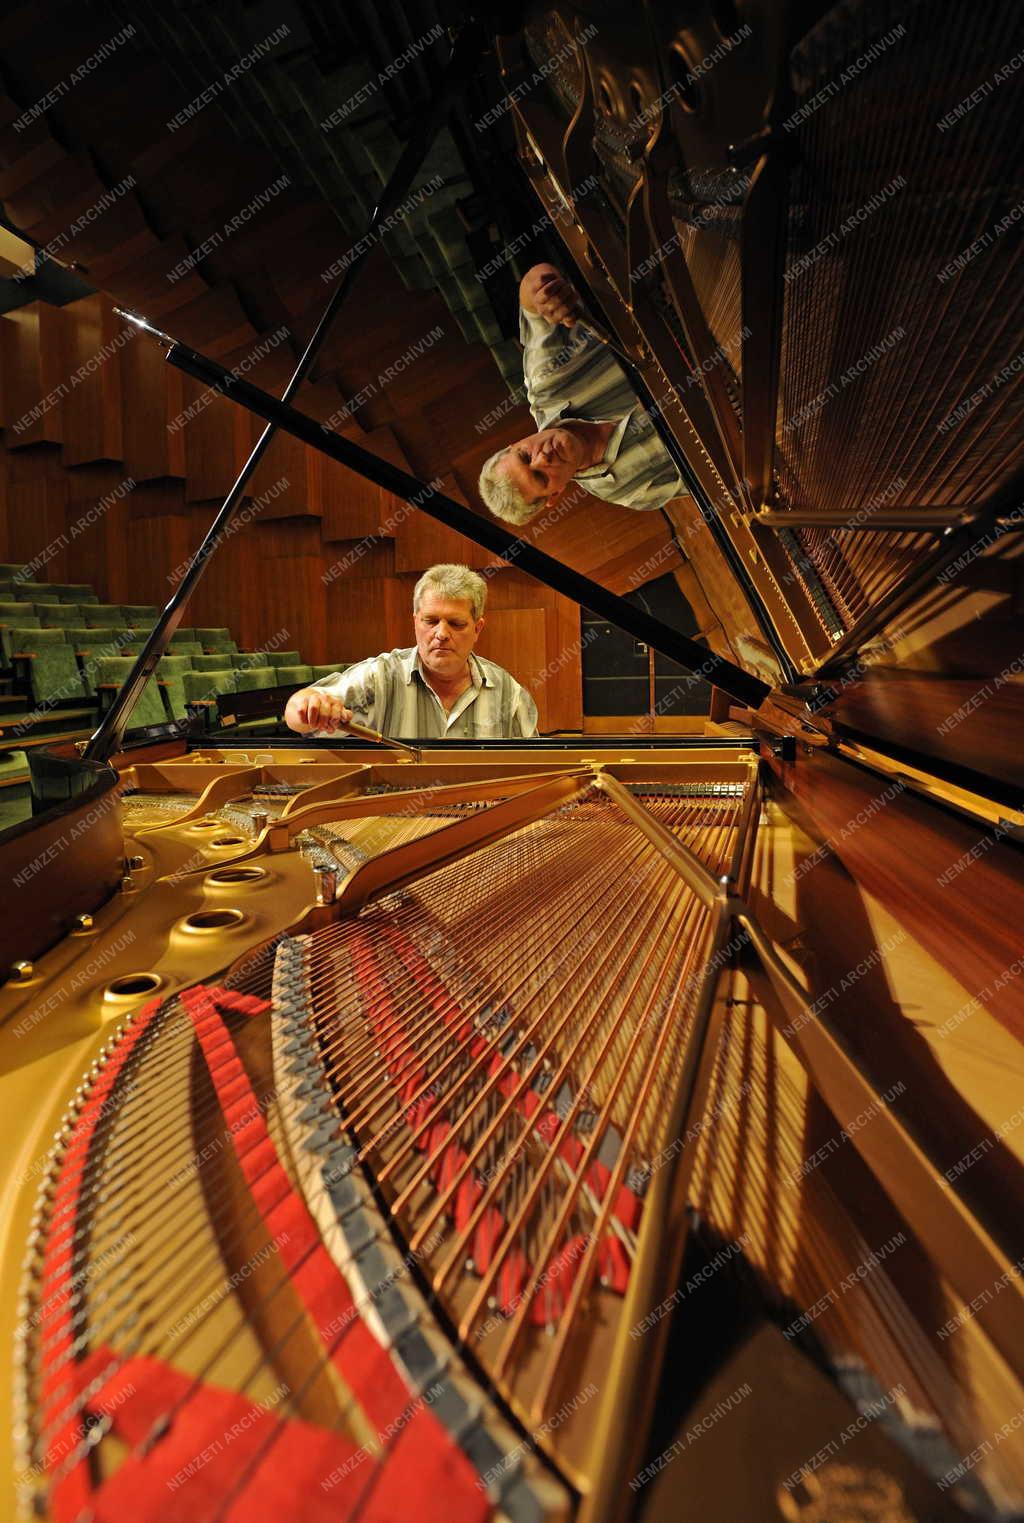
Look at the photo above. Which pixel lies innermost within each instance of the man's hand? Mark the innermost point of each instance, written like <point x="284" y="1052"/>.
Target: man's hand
<point x="313" y="709"/>
<point x="546" y="292"/>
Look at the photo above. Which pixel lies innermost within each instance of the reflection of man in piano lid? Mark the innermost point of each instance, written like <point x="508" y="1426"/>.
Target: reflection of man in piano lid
<point x="436" y="689"/>
<point x="592" y="428"/>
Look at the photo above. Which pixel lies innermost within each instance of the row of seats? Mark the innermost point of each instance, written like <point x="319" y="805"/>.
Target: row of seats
<point x="94" y="615"/>
<point x="58" y="675"/>
<point x="176" y="684"/>
<point x="68" y="648"/>
<point x="14" y="586"/>
<point x="101" y="616"/>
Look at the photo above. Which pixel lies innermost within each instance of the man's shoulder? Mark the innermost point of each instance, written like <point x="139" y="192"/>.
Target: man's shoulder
<point x="494" y="674"/>
<point x="377" y="674"/>
<point x="387" y="660"/>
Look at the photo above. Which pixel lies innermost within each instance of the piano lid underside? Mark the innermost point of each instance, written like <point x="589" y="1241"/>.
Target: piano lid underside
<point x="898" y="275"/>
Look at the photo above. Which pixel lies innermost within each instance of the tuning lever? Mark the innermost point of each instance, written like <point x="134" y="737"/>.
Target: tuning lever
<point x="363" y="732"/>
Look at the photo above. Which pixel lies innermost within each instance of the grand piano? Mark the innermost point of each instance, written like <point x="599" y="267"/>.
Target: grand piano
<point x="606" y="1126"/>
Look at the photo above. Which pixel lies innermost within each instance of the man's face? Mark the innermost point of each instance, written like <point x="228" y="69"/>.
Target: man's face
<point x="542" y="465"/>
<point x="445" y="633"/>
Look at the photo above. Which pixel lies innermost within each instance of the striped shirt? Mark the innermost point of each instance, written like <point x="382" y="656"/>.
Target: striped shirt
<point x="572" y="377"/>
<point x="389" y="693"/>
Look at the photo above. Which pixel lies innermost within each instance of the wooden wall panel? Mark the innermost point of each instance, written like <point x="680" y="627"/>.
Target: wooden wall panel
<point x="5" y="497"/>
<point x="218" y="439"/>
<point x="34" y="363"/>
<point x="158" y="540"/>
<point x="355" y="507"/>
<point x="96" y="340"/>
<point x="98" y="528"/>
<point x="37" y="516"/>
<point x="157" y="391"/>
<point x="422" y="541"/>
<point x="366" y="615"/>
<point x="517" y="639"/>
<point x="562" y="674"/>
<point x="289" y="589"/>
<point x="287" y="483"/>
<point x="227" y="591"/>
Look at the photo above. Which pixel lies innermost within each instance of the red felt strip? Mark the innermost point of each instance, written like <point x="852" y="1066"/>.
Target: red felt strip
<point x="217" y="1435"/>
<point x="218" y="1442"/>
<point x="429" y="1458"/>
<point x="59" y="1381"/>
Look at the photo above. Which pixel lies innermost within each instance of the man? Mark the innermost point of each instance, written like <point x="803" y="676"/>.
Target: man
<point x="592" y="428"/>
<point x="435" y="689"/>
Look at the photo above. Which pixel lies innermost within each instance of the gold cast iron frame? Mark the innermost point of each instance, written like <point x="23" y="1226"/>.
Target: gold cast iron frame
<point x="952" y="1235"/>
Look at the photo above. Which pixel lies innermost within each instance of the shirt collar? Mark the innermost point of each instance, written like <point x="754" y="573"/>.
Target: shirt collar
<point x="410" y="663"/>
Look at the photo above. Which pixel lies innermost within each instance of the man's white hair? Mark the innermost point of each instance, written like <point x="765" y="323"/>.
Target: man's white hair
<point x="452" y="582"/>
<point x="502" y="496"/>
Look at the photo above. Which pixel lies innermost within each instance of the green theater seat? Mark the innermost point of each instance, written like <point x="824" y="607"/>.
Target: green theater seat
<point x="8" y="631"/>
<point x="211" y="663"/>
<point x="10" y="571"/>
<point x="207" y="686"/>
<point x="254" y="677"/>
<point x="104" y="616"/>
<point x="58" y="615"/>
<point x="293" y="676"/>
<point x="149" y="709"/>
<point x="215" y="639"/>
<point x="54" y="678"/>
<point x="90" y="651"/>
<point x="325" y="669"/>
<point x="140" y="615"/>
<point x="170" y="674"/>
<point x="283" y="658"/>
<point x="34" y="592"/>
<point x="29" y="637"/>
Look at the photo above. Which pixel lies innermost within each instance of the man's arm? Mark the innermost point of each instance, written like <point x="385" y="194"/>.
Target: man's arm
<point x="524" y="716"/>
<point x="550" y="354"/>
<point x="327" y="706"/>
